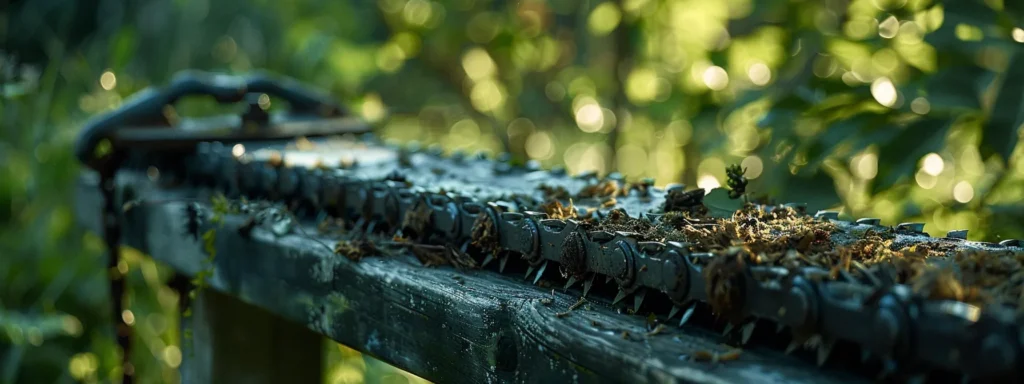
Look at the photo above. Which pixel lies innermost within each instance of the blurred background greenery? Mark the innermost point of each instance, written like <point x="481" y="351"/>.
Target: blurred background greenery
<point x="905" y="110"/>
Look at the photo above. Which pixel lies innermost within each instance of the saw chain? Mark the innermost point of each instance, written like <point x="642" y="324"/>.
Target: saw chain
<point x="902" y="297"/>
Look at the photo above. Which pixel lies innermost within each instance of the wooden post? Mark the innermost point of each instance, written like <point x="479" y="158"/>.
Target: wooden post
<point x="228" y="341"/>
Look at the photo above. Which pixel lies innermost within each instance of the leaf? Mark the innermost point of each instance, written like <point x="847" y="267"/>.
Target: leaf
<point x="123" y="47"/>
<point x="1001" y="130"/>
<point x="20" y="328"/>
<point x="720" y="204"/>
<point x="837" y="133"/>
<point x="906" y="148"/>
<point x="956" y="87"/>
<point x="795" y="72"/>
<point x="1015" y="9"/>
<point x="817" y="191"/>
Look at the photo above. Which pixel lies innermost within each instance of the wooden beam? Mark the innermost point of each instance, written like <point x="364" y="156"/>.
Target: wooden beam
<point x="233" y="342"/>
<point x="438" y="323"/>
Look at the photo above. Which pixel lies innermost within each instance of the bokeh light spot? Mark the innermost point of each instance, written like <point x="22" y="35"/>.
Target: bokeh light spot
<point x="963" y="192"/>
<point x="865" y="166"/>
<point x="708" y="182"/>
<point x="924" y="180"/>
<point x="759" y="74"/>
<point x="753" y="165"/>
<point x="1018" y="35"/>
<point x="715" y="78"/>
<point x="487" y="96"/>
<point x="172" y="356"/>
<point x="932" y="164"/>
<point x="889" y="27"/>
<point x="590" y="117"/>
<point x="604" y="18"/>
<point x="920" y="106"/>
<point x="108" y="81"/>
<point x="540" y="146"/>
<point x="884" y="91"/>
<point x="478" y="64"/>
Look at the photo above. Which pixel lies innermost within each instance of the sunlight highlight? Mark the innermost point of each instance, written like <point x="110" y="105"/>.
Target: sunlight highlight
<point x="1018" y="35"/>
<point x="108" y="81"/>
<point x="604" y="18"/>
<point x="708" y="182"/>
<point x="920" y="106"/>
<point x="932" y="164"/>
<point x="589" y="117"/>
<point x="887" y="29"/>
<point x="924" y="180"/>
<point x="753" y="165"/>
<point x="540" y="146"/>
<point x="884" y="91"/>
<point x="478" y="64"/>
<point x="172" y="356"/>
<point x="865" y="166"/>
<point x="715" y="78"/>
<point x="963" y="192"/>
<point x="759" y="74"/>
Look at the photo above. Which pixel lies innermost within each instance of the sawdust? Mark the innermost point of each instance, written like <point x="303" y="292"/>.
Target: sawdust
<point x="356" y="249"/>
<point x="416" y="220"/>
<point x="431" y="256"/>
<point x="556" y="192"/>
<point x="485" y="235"/>
<point x="724" y="284"/>
<point x="607" y="188"/>
<point x="555" y="210"/>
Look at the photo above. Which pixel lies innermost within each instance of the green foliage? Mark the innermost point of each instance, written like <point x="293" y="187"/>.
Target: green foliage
<point x="736" y="181"/>
<point x="902" y="110"/>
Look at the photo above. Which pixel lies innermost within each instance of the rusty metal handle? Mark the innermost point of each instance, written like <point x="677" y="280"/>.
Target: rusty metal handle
<point x="147" y="108"/>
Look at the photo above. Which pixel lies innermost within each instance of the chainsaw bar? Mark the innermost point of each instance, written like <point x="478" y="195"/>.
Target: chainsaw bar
<point x="495" y="211"/>
<point x="903" y="297"/>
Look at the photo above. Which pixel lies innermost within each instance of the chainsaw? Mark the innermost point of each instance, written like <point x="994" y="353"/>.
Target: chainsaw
<point x="901" y="297"/>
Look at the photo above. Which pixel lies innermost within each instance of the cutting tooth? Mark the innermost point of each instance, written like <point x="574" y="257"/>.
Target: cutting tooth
<point x="638" y="299"/>
<point x="779" y="327"/>
<point x="540" y="272"/>
<point x="370" y="226"/>
<point x="503" y="262"/>
<point x="824" y="350"/>
<point x="673" y="312"/>
<point x="957" y="234"/>
<point x="487" y="260"/>
<point x="607" y="279"/>
<point x="688" y="314"/>
<point x="587" y="285"/>
<point x="621" y="295"/>
<point x="748" y="330"/>
<point x="529" y="271"/>
<point x="728" y="328"/>
<point x="793" y="345"/>
<point x="572" y="280"/>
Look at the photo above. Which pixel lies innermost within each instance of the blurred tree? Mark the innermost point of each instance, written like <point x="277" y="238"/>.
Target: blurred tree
<point x="906" y="110"/>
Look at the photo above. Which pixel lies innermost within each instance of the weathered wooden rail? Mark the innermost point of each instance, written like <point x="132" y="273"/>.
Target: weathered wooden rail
<point x="273" y="296"/>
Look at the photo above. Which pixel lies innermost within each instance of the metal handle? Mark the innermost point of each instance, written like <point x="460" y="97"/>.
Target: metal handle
<point x="148" y="106"/>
